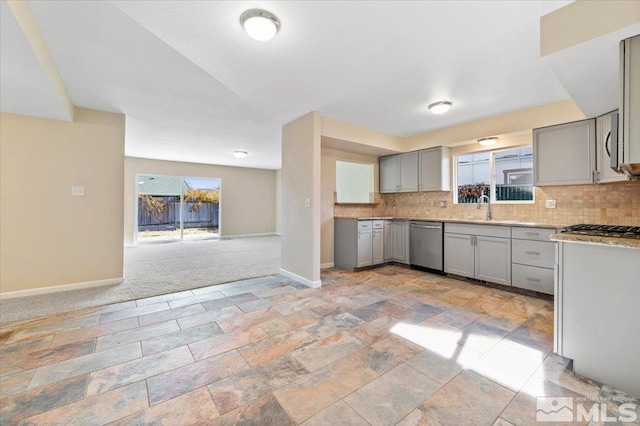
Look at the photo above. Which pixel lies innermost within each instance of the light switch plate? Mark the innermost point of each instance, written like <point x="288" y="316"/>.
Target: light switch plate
<point x="307" y="202"/>
<point x="550" y="204"/>
<point x="77" y="191"/>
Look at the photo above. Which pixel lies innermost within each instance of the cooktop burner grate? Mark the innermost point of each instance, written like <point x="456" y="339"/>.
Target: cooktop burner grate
<point x="604" y="230"/>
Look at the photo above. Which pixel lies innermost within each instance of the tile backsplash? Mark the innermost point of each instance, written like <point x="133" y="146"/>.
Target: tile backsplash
<point x="607" y="204"/>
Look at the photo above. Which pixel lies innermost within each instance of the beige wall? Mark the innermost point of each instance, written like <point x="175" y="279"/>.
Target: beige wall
<point x="328" y="176"/>
<point x="278" y="201"/>
<point x="582" y="21"/>
<point x="300" y="181"/>
<point x="247" y="196"/>
<point x="49" y="238"/>
<point x="524" y="120"/>
<point x="341" y="130"/>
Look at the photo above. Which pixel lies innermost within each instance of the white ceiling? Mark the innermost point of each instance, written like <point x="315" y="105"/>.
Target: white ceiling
<point x="24" y="86"/>
<point x="195" y="87"/>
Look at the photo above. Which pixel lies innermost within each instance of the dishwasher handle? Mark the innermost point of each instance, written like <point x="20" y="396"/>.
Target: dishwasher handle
<point x="415" y="225"/>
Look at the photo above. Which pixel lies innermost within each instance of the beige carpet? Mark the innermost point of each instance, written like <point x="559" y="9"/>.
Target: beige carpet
<point x="155" y="269"/>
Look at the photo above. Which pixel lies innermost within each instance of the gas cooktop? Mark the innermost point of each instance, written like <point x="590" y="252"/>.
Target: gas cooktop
<point x="604" y="230"/>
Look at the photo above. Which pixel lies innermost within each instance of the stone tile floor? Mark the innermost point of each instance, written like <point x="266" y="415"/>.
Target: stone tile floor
<point x="380" y="347"/>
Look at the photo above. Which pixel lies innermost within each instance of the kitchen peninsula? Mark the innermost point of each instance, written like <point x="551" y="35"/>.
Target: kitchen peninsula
<point x="596" y="308"/>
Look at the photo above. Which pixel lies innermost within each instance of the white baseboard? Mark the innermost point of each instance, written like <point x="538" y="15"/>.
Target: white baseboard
<point x="326" y="265"/>
<point x="58" y="288"/>
<point x="266" y="234"/>
<point x="302" y="280"/>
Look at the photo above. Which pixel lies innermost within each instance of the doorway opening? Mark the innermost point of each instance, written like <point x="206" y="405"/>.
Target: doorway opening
<point x="176" y="208"/>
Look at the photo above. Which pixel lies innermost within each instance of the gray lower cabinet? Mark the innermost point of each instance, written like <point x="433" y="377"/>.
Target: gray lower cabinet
<point x="492" y="261"/>
<point x="358" y="243"/>
<point x="533" y="259"/>
<point x="377" y="243"/>
<point x="482" y="252"/>
<point x="388" y="241"/>
<point x="365" y="255"/>
<point x="396" y="241"/>
<point x="459" y="254"/>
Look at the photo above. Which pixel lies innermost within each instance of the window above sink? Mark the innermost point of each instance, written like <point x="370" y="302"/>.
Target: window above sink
<point x="504" y="175"/>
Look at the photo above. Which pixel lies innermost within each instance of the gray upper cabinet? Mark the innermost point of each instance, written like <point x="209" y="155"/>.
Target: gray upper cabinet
<point x="399" y="173"/>
<point x="434" y="169"/>
<point x="408" y="168"/>
<point x="389" y="174"/>
<point x="603" y="151"/>
<point x="565" y="154"/>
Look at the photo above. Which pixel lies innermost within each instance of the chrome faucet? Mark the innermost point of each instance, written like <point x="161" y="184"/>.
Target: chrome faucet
<point x="488" y="217"/>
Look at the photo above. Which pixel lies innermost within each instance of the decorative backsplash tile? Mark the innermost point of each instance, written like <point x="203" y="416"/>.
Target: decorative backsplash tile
<point x="607" y="204"/>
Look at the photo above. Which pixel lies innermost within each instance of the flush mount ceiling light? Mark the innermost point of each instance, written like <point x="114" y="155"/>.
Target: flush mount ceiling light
<point x="488" y="141"/>
<point x="240" y="154"/>
<point x="260" y="24"/>
<point x="440" y="107"/>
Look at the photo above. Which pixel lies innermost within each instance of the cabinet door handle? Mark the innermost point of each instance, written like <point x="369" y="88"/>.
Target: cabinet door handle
<point x="534" y="253"/>
<point x="535" y="280"/>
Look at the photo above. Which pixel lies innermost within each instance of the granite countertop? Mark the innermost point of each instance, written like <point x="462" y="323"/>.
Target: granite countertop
<point x="633" y="243"/>
<point x="460" y="220"/>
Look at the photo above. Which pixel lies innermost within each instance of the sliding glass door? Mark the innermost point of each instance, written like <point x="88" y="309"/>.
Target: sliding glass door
<point x="200" y="208"/>
<point x="172" y="208"/>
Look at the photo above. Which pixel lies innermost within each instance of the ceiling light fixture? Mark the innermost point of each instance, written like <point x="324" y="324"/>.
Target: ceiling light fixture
<point x="488" y="141"/>
<point x="440" y="107"/>
<point x="260" y="24"/>
<point x="240" y="154"/>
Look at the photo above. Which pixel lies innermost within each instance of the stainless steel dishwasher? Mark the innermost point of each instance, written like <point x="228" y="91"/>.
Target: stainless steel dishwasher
<point x="426" y="245"/>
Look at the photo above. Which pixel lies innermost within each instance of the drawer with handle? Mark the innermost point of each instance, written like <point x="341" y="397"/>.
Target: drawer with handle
<point x="539" y="234"/>
<point x="365" y="225"/>
<point x="378" y="224"/>
<point x="534" y="253"/>
<point x="532" y="278"/>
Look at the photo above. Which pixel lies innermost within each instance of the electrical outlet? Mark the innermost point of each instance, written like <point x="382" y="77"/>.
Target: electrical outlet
<point x="550" y="204"/>
<point x="443" y="204"/>
<point x="307" y="202"/>
<point x="77" y="191"/>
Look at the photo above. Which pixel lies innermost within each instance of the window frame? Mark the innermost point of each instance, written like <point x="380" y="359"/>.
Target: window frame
<point x="492" y="175"/>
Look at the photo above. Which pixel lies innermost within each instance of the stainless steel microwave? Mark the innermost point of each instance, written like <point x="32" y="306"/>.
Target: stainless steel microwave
<point x="625" y="125"/>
